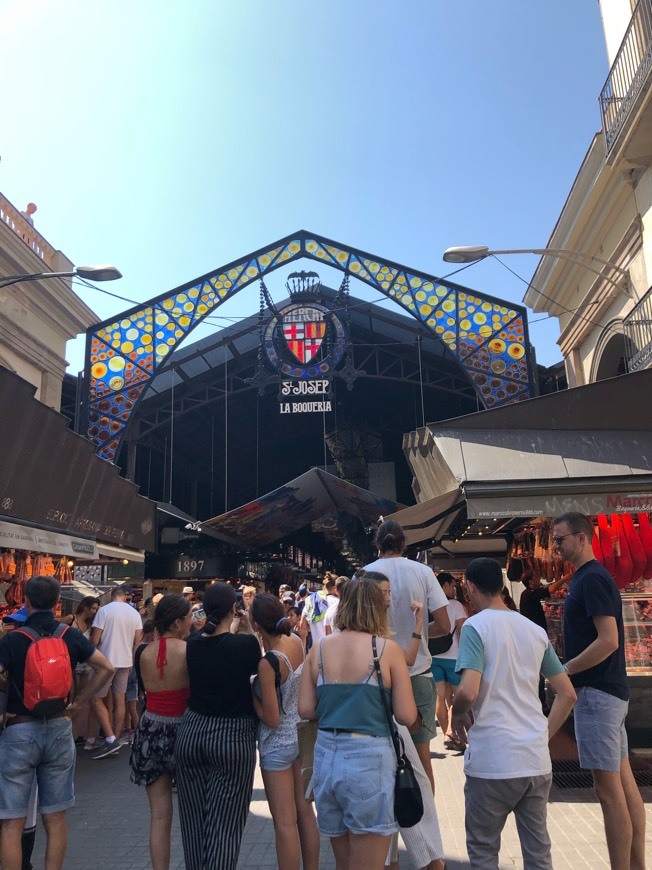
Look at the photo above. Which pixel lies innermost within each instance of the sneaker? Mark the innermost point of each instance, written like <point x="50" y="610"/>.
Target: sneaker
<point x="92" y="743"/>
<point x="126" y="738"/>
<point x="107" y="749"/>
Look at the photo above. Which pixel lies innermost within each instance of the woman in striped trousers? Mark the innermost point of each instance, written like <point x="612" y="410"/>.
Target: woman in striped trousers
<point x="216" y="742"/>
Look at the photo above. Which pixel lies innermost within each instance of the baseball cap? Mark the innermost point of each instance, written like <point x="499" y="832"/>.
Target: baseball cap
<point x="288" y="596"/>
<point x="157" y="598"/>
<point x="303" y="590"/>
<point x="19" y="616"/>
<point x="187" y="590"/>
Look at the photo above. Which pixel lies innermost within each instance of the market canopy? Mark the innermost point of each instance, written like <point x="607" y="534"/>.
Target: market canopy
<point x="309" y="497"/>
<point x="522" y="461"/>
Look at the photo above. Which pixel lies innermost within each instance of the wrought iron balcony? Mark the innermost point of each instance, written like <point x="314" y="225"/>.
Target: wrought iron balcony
<point x="638" y="329"/>
<point x="629" y="73"/>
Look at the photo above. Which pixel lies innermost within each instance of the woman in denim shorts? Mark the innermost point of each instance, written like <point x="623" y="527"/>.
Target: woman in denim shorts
<point x="294" y="820"/>
<point x="355" y="763"/>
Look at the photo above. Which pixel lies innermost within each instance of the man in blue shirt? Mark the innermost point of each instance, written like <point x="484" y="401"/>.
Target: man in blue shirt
<point x="594" y="648"/>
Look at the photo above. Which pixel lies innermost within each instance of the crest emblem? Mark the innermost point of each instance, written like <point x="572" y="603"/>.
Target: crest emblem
<point x="304" y="329"/>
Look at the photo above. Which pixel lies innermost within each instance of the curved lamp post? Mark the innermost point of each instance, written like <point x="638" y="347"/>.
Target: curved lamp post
<point x="91" y="273"/>
<point x="473" y="253"/>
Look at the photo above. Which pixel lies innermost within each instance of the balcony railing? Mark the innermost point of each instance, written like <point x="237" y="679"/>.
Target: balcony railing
<point x="638" y="329"/>
<point x="628" y="73"/>
<point x="11" y="217"/>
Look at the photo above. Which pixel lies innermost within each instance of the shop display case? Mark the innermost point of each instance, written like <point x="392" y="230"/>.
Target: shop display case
<point x="637" y="622"/>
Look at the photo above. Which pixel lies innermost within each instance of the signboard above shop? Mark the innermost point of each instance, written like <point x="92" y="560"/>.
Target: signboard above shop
<point x="19" y="537"/>
<point x="535" y="505"/>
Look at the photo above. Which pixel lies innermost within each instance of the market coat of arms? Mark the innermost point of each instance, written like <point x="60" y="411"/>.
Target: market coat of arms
<point x="304" y="329"/>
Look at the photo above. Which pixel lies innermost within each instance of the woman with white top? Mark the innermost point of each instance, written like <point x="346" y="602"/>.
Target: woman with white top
<point x="276" y="692"/>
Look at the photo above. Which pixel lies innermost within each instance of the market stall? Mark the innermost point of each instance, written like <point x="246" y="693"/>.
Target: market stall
<point x="501" y="475"/>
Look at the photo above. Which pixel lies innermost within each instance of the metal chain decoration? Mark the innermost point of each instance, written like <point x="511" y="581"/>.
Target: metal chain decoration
<point x="488" y="336"/>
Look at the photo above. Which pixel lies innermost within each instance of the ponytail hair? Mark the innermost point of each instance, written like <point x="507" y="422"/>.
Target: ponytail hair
<point x="219" y="599"/>
<point x="269" y="613"/>
<point x="170" y="608"/>
<point x="390" y="537"/>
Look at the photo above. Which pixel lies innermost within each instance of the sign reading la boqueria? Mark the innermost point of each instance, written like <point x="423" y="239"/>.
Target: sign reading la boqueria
<point x="305" y="397"/>
<point x="304" y="343"/>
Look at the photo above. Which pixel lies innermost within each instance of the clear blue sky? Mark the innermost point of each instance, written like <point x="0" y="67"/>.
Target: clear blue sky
<point x="172" y="137"/>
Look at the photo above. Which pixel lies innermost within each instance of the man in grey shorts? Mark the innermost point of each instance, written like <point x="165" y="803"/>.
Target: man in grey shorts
<point x="594" y="647"/>
<point x="507" y="761"/>
<point x="117" y="630"/>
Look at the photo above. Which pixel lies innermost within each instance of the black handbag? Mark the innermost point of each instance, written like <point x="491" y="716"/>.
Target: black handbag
<point x="439" y="645"/>
<point x="408" y="801"/>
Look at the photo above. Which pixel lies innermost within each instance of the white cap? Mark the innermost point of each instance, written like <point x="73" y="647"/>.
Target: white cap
<point x="187" y="590"/>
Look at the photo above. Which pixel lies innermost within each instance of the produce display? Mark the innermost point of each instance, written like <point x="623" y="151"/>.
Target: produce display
<point x="623" y="544"/>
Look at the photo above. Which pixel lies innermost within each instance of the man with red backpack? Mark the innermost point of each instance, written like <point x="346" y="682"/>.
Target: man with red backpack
<point x="38" y="661"/>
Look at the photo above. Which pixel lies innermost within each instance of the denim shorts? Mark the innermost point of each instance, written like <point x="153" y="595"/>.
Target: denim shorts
<point x="354" y="784"/>
<point x="132" y="687"/>
<point x="600" y="729"/>
<point x="279" y="759"/>
<point x="443" y="671"/>
<point x="425" y="697"/>
<point x="45" y="749"/>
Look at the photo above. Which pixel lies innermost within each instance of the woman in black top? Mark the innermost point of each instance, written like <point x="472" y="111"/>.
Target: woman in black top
<point x="216" y="742"/>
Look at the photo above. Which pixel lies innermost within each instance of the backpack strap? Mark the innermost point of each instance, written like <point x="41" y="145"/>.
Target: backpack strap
<point x="60" y="630"/>
<point x="273" y="661"/>
<point x="28" y="632"/>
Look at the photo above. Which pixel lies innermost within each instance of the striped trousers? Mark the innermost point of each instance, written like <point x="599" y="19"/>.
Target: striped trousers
<point x="215" y="761"/>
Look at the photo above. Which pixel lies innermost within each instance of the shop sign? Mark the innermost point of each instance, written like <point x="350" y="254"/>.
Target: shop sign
<point x="554" y="505"/>
<point x="36" y="540"/>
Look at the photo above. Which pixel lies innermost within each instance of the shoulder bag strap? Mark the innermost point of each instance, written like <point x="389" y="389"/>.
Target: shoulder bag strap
<point x="396" y="740"/>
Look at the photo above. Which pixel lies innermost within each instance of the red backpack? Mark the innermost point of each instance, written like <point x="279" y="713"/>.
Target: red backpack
<point x="48" y="673"/>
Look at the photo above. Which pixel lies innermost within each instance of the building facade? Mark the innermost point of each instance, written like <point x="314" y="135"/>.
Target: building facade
<point x="37" y="318"/>
<point x="602" y="298"/>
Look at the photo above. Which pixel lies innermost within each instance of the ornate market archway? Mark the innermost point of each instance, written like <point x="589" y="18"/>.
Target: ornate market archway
<point x="488" y="336"/>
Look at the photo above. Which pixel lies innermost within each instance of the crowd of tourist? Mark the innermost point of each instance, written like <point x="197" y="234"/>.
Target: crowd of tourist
<point x="322" y="686"/>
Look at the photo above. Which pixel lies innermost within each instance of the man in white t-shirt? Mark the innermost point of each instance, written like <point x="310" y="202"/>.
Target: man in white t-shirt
<point x="117" y="630"/>
<point x="507" y="761"/>
<point x="411" y="581"/>
<point x="443" y="664"/>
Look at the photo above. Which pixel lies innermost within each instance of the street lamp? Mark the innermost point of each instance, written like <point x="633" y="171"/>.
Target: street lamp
<point x="92" y="273"/>
<point x="473" y="253"/>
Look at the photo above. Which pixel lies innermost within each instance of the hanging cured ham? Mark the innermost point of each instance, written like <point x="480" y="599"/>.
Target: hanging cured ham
<point x="639" y="559"/>
<point x="645" y="534"/>
<point x="597" y="549"/>
<point x="624" y="565"/>
<point x="606" y="544"/>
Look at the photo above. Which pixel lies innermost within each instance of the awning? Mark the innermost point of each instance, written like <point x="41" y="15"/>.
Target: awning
<point x="429" y="520"/>
<point x="120" y="553"/>
<point x="298" y="503"/>
<point x="51" y="478"/>
<point x="520" y="461"/>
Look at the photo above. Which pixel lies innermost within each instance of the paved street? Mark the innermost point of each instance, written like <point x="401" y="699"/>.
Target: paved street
<point x="108" y="827"/>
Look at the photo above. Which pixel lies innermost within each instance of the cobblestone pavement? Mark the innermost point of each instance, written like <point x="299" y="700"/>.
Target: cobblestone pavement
<point x="108" y="827"/>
